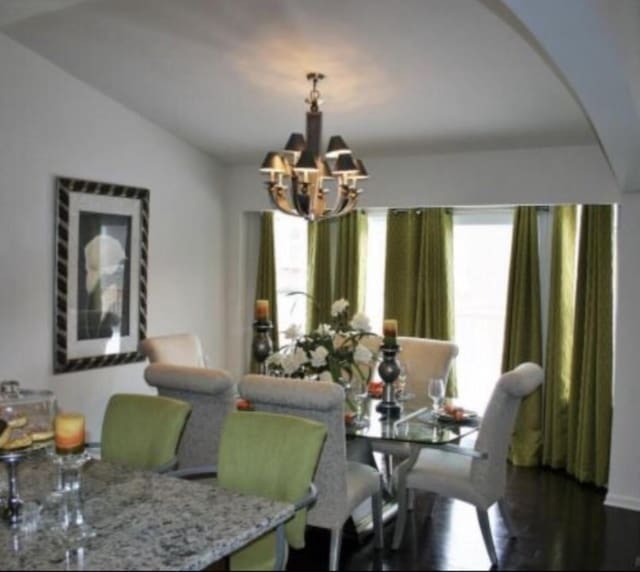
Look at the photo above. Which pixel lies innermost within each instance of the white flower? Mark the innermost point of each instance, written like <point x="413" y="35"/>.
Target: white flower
<point x="293" y="332"/>
<point x="325" y="376"/>
<point x="288" y="364"/>
<point x="300" y="356"/>
<point x="319" y="356"/>
<point x="325" y="330"/>
<point x="361" y="322"/>
<point x="339" y="306"/>
<point x="275" y="359"/>
<point x="362" y="354"/>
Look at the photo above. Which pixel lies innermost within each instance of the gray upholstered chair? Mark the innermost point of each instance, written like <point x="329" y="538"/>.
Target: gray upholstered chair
<point x="479" y="480"/>
<point x="176" y="349"/>
<point x="211" y="394"/>
<point x="342" y="485"/>
<point x="177" y="370"/>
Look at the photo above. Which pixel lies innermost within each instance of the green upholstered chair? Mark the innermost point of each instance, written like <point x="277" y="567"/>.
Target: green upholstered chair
<point x="143" y="431"/>
<point x="272" y="456"/>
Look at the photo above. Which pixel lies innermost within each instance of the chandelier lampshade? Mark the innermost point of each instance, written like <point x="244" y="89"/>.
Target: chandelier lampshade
<point x="297" y="175"/>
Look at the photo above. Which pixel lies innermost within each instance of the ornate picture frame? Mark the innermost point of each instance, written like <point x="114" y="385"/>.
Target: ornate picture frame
<point x="102" y="234"/>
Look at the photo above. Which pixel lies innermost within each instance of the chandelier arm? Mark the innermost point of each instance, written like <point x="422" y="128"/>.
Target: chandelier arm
<point x="279" y="200"/>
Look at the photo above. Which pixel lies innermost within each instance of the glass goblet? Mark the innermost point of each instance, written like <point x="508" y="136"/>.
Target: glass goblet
<point x="401" y="383"/>
<point x="436" y="393"/>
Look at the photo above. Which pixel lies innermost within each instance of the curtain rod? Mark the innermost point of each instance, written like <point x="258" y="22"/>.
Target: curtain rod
<point x="454" y="210"/>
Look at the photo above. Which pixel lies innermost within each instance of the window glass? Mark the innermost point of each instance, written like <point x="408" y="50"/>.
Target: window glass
<point x="376" y="254"/>
<point x="290" y="236"/>
<point x="482" y="251"/>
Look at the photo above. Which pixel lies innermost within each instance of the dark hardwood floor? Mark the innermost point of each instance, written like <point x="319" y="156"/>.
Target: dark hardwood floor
<point x="561" y="525"/>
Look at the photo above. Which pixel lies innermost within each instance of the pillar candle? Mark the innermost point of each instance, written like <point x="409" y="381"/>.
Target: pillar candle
<point x="262" y="309"/>
<point x="390" y="328"/>
<point x="69" y="433"/>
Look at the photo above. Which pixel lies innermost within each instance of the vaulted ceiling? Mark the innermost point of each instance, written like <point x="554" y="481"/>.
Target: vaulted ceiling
<point x="229" y="76"/>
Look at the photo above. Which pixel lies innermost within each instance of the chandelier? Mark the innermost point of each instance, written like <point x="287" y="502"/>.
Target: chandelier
<point x="297" y="175"/>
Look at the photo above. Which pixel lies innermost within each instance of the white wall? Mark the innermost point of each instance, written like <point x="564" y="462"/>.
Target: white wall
<point x="52" y="124"/>
<point x="544" y="176"/>
<point x="519" y="176"/>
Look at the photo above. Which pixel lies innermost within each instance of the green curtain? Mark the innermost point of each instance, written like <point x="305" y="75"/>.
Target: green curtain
<point x="591" y="382"/>
<point x="558" y="364"/>
<point x="319" y="274"/>
<point x="523" y="332"/>
<point x="351" y="260"/>
<point x="266" y="277"/>
<point x="419" y="275"/>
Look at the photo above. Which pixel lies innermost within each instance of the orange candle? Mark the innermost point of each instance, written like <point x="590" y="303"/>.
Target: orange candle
<point x="262" y="309"/>
<point x="390" y="328"/>
<point x="69" y="433"/>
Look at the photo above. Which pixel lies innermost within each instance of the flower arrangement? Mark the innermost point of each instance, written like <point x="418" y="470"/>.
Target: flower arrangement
<point x="331" y="352"/>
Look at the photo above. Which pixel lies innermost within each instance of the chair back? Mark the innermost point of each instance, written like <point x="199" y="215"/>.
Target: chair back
<point x="274" y="456"/>
<point x="142" y="431"/>
<point x="176" y="349"/>
<point x="425" y="358"/>
<point x="489" y="475"/>
<point x="319" y="401"/>
<point x="211" y="394"/>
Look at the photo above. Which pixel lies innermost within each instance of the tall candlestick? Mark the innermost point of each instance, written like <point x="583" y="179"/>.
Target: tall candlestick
<point x="262" y="310"/>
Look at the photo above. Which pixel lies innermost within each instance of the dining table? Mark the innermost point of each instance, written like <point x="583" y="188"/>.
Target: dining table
<point x="415" y="428"/>
<point x="142" y="521"/>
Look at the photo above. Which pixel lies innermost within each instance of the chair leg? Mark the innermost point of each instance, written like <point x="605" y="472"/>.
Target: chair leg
<point x="485" y="527"/>
<point x="432" y="504"/>
<point x="376" y="509"/>
<point x="334" y="550"/>
<point x="411" y="500"/>
<point x="388" y="472"/>
<point x="506" y="517"/>
<point x="401" y="517"/>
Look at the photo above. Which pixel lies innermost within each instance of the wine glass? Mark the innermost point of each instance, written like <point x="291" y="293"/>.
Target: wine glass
<point x="436" y="393"/>
<point x="401" y="383"/>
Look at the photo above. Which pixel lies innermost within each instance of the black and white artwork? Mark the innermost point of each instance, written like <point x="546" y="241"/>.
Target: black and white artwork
<point x="101" y="273"/>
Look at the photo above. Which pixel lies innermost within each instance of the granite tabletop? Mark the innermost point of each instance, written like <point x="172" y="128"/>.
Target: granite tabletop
<point x="142" y="521"/>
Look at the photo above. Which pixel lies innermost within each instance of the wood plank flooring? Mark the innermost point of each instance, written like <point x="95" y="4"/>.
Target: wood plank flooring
<point x="562" y="525"/>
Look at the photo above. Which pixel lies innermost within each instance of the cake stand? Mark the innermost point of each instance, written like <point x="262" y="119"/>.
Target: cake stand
<point x="11" y="512"/>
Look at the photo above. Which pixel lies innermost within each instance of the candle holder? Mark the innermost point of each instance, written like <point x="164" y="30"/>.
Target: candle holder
<point x="72" y="526"/>
<point x="262" y="346"/>
<point x="389" y="369"/>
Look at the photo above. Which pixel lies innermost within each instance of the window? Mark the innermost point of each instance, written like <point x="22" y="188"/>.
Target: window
<point x="290" y="237"/>
<point x="376" y="254"/>
<point x="482" y="249"/>
<point x="481" y="255"/>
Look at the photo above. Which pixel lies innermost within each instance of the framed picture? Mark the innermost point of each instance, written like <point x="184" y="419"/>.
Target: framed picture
<point x="101" y="274"/>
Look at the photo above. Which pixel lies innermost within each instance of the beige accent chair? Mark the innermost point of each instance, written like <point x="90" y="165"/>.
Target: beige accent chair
<point x="342" y="485"/>
<point x="176" y="349"/>
<point x="476" y="476"/>
<point x="425" y="358"/>
<point x="177" y="370"/>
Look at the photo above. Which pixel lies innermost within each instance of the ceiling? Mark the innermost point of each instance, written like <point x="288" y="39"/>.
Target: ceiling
<point x="229" y="75"/>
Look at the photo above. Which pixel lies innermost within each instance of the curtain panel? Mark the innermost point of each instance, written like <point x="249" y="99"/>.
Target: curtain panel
<point x="559" y="354"/>
<point x="266" y="276"/>
<point x="419" y="275"/>
<point x="590" y="398"/>
<point x="523" y="332"/>
<point x="351" y="254"/>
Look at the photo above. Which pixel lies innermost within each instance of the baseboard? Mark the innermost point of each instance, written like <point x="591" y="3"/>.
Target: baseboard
<point x="619" y="501"/>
